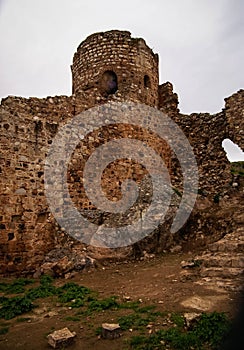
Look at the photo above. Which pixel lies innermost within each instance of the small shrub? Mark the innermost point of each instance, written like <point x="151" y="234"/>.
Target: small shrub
<point x="46" y="279"/>
<point x="146" y="309"/>
<point x="104" y="304"/>
<point x="178" y="320"/>
<point x="15" y="306"/>
<point x="42" y="291"/>
<point x="98" y="331"/>
<point x="207" y="333"/>
<point x="136" y="320"/>
<point x="45" y="289"/>
<point x="212" y="328"/>
<point x="126" y="322"/>
<point x="73" y="293"/>
<point x="179" y="340"/>
<point x="16" y="286"/>
<point x="138" y="340"/>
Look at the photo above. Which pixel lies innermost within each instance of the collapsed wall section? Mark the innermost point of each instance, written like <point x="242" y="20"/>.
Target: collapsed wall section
<point x="205" y="132"/>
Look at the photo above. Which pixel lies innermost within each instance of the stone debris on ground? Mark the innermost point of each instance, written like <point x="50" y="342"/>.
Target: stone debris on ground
<point x="221" y="265"/>
<point x="62" y="262"/>
<point x="204" y="304"/>
<point x="61" y="338"/>
<point x="111" y="330"/>
<point x="191" y="318"/>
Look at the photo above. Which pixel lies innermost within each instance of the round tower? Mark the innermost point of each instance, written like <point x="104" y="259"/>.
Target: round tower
<point x="114" y="64"/>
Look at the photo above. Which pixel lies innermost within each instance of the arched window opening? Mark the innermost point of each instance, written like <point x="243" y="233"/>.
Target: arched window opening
<point x="233" y="151"/>
<point x="109" y="83"/>
<point x="147" y="82"/>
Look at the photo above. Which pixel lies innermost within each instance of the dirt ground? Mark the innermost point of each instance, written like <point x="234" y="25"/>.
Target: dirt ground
<point x="155" y="282"/>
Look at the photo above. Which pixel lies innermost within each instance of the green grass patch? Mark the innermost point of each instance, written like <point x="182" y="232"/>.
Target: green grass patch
<point x="74" y="294"/>
<point x="10" y="307"/>
<point x="42" y="291"/>
<point x="178" y="320"/>
<point x="145" y="309"/>
<point x="208" y="333"/>
<point x="72" y="318"/>
<point x="212" y="328"/>
<point x="16" y="287"/>
<point x="133" y="305"/>
<point x="205" y="334"/>
<point x="137" y="320"/>
<point x="98" y="331"/>
<point x="15" y="306"/>
<point x="104" y="304"/>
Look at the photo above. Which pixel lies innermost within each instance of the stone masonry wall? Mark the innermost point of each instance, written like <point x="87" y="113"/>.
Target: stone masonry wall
<point x="27" y="129"/>
<point x="28" y="230"/>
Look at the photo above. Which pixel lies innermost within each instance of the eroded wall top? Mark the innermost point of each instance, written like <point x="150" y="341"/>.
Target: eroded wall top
<point x="115" y="63"/>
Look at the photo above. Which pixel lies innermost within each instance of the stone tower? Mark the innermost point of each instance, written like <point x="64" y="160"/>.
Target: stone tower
<point x="113" y="63"/>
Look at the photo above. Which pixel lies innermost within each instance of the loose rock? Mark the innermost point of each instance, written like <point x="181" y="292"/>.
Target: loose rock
<point x="62" y="337"/>
<point x="111" y="330"/>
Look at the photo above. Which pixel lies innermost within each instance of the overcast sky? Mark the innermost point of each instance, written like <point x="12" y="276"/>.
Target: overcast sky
<point x="199" y="42"/>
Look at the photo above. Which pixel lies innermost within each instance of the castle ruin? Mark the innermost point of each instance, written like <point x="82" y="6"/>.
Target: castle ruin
<point x="107" y="67"/>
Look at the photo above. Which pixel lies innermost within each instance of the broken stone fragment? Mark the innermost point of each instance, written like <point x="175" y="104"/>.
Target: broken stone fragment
<point x="176" y="249"/>
<point x="61" y="338"/>
<point x="111" y="330"/>
<point x="190" y="264"/>
<point x="191" y="318"/>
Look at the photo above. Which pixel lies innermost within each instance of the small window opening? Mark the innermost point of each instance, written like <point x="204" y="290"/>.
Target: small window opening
<point x="10" y="236"/>
<point x="233" y="151"/>
<point x="147" y="82"/>
<point x="109" y="83"/>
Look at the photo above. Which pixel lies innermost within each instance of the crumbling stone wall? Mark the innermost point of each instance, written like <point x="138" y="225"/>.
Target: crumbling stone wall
<point x="234" y="113"/>
<point x="27" y="228"/>
<point x="27" y="129"/>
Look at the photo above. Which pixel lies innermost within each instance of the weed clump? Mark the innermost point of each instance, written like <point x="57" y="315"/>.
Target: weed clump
<point x="104" y="304"/>
<point x="11" y="307"/>
<point x="15" y="306"/>
<point x="16" y="287"/>
<point x="208" y="333"/>
<point x="73" y="293"/>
